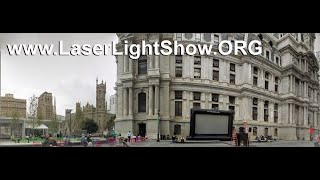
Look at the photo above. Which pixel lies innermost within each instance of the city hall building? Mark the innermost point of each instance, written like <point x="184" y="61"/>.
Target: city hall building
<point x="276" y="93"/>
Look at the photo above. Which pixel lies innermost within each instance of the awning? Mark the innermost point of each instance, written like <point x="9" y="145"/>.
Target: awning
<point x="42" y="126"/>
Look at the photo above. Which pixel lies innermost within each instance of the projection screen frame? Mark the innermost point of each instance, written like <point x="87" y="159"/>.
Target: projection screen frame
<point x="221" y="137"/>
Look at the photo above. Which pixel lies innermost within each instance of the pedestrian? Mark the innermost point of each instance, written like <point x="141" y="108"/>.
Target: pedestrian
<point x="27" y="137"/>
<point x="129" y="136"/>
<point x="66" y="141"/>
<point x="89" y="140"/>
<point x="84" y="140"/>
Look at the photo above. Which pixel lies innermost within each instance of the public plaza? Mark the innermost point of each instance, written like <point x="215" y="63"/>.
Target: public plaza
<point x="168" y="143"/>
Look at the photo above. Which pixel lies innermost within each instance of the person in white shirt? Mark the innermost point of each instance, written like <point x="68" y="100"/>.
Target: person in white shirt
<point x="129" y="136"/>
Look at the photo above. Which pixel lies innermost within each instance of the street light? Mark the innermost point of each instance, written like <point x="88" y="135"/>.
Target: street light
<point x="158" y="139"/>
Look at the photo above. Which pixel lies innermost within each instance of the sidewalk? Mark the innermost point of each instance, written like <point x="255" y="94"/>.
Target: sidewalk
<point x="12" y="143"/>
<point x="60" y="143"/>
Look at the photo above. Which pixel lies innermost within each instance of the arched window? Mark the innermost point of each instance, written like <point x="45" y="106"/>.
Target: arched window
<point x="142" y="102"/>
<point x="177" y="129"/>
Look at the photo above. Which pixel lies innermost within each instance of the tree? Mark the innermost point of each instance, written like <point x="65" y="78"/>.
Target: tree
<point x="14" y="123"/>
<point x="90" y="126"/>
<point x="33" y="105"/>
<point x="54" y="124"/>
<point x="78" y="119"/>
<point x="110" y="123"/>
<point x="40" y="118"/>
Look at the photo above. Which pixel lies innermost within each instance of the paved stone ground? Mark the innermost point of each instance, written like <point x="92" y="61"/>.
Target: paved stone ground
<point x="153" y="143"/>
<point x="167" y="143"/>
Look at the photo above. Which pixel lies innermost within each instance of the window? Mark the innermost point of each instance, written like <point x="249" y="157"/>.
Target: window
<point x="267" y="54"/>
<point x="207" y="37"/>
<point x="216" y="40"/>
<point x="178" y="94"/>
<point x="277" y="60"/>
<point x="196" y="96"/>
<point x="215" y="75"/>
<point x="232" y="44"/>
<point x="266" y="104"/>
<point x="276" y="80"/>
<point x="276" y="112"/>
<point x="254" y="113"/>
<point x="215" y="97"/>
<point x="177" y="129"/>
<point x="275" y="132"/>
<point x="297" y="84"/>
<point x="178" y="59"/>
<point x="255" y="131"/>
<point x="215" y="63"/>
<point x="232" y="79"/>
<point x="196" y="106"/>
<point x="266" y="111"/>
<point x="197" y="73"/>
<point x="198" y="36"/>
<point x="232" y="99"/>
<point x="215" y="106"/>
<point x="232" y="67"/>
<point x="197" y="60"/>
<point x="266" y="85"/>
<point x="142" y="65"/>
<point x="178" y="36"/>
<point x="231" y="108"/>
<point x="142" y="102"/>
<point x="255" y="81"/>
<point x="255" y="71"/>
<point x="178" y="108"/>
<point x="266" y="132"/>
<point x="255" y="109"/>
<point x="178" y="71"/>
<point x="266" y="75"/>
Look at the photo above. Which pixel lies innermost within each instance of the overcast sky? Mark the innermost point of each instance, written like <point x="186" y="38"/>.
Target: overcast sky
<point x="317" y="43"/>
<point x="70" y="79"/>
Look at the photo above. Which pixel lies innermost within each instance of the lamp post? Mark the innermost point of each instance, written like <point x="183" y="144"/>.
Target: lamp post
<point x="158" y="139"/>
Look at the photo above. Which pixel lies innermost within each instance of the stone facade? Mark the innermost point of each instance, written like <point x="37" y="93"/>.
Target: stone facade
<point x="10" y="106"/>
<point x="99" y="113"/>
<point x="113" y="100"/>
<point x="45" y="106"/>
<point x="276" y="93"/>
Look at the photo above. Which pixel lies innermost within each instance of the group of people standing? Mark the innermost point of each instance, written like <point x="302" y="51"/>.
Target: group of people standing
<point x="86" y="141"/>
<point x="49" y="141"/>
<point x="140" y="136"/>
